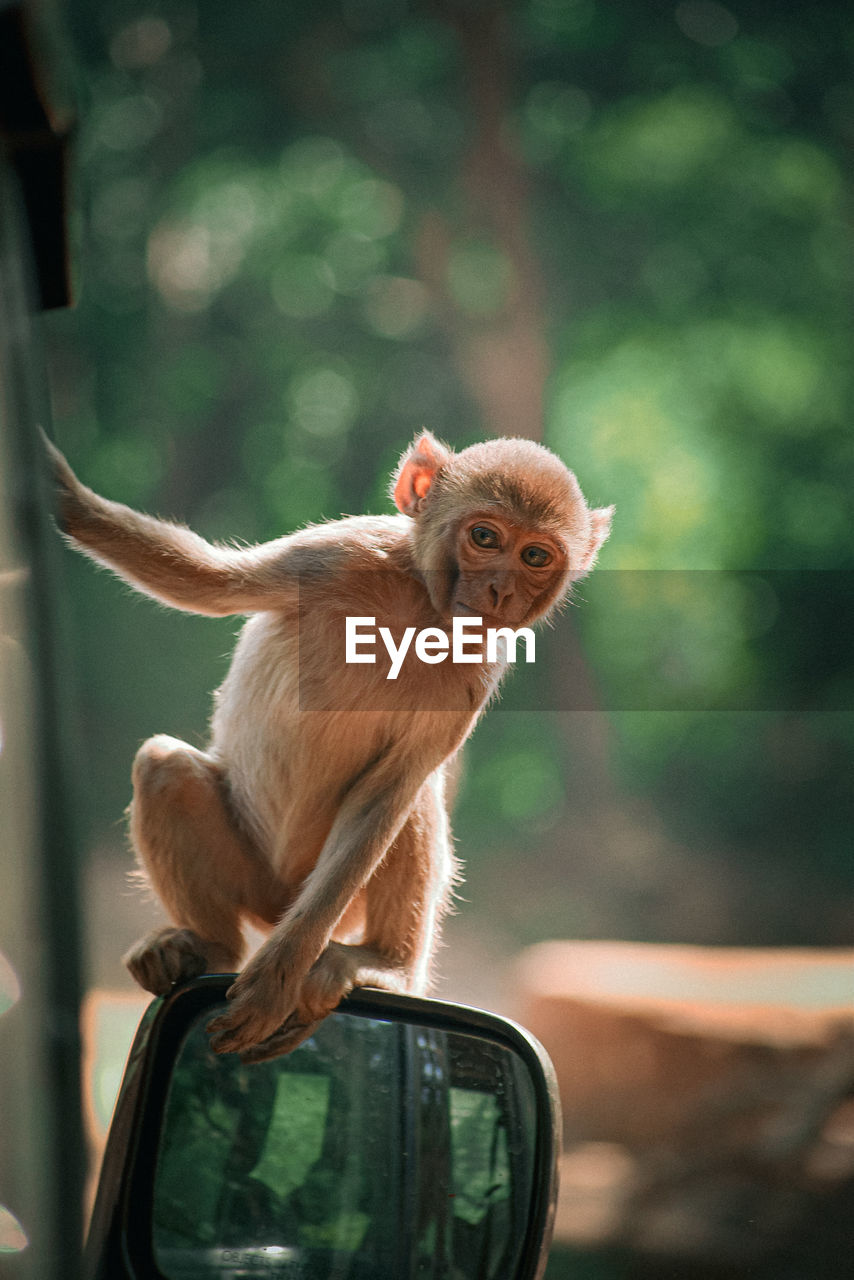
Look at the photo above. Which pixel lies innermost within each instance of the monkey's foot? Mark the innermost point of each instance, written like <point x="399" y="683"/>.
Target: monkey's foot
<point x="170" y="955"/>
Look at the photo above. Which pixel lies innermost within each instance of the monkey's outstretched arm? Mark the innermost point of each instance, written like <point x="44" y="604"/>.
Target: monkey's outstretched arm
<point x="167" y="561"/>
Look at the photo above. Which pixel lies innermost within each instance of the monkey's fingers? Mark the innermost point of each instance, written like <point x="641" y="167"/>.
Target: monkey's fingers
<point x="283" y="1041"/>
<point x="72" y="500"/>
<point x="64" y="478"/>
<point x="228" y="1038"/>
<point x="259" y="1003"/>
<point x="240" y="1029"/>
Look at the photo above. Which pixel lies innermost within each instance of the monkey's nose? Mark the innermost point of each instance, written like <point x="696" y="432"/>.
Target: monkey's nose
<point x="500" y="591"/>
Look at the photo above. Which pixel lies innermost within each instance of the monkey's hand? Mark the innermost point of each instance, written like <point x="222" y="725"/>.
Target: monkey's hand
<point x="260" y="1000"/>
<point x="70" y="502"/>
<point x="286" y="1039"/>
<point x="272" y="1009"/>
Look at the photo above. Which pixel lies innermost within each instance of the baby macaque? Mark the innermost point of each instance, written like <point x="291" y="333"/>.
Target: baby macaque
<point x="318" y="812"/>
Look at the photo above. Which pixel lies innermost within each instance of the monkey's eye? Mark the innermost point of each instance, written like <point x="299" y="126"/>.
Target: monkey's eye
<point x="482" y="536"/>
<point x="536" y="557"/>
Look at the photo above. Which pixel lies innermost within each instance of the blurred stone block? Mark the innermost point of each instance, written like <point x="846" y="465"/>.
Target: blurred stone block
<point x="707" y="1093"/>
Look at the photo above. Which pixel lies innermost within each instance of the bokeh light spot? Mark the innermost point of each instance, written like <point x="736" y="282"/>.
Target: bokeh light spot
<point x="323" y="401"/>
<point x="353" y="260"/>
<point x="10" y="987"/>
<point x="706" y="22"/>
<point x="181" y="265"/>
<point x="371" y="208"/>
<point x="527" y="783"/>
<point x="480" y="277"/>
<point x="806" y="178"/>
<point x="396" y="307"/>
<point x="141" y="43"/>
<point x="303" y="286"/>
<point x="13" y="1237"/>
<point x="554" y="112"/>
<point x="127" y="466"/>
<point x="129" y="123"/>
<point x="662" y="142"/>
<point x="315" y="166"/>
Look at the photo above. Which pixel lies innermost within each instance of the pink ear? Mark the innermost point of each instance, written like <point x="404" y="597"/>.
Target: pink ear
<point x="416" y="472"/>
<point x="600" y="527"/>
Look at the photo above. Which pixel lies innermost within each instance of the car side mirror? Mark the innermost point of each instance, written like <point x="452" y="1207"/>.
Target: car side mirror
<point x="405" y="1138"/>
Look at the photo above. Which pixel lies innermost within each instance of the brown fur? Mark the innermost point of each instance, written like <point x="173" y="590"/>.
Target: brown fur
<point x="318" y="811"/>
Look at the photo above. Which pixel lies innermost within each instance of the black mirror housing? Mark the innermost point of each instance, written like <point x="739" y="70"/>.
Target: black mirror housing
<point x="407" y="1137"/>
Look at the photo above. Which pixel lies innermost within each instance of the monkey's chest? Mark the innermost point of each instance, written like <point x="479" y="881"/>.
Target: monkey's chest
<point x="295" y="723"/>
<point x="387" y="662"/>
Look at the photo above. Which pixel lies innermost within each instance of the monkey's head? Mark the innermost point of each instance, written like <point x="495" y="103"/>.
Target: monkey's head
<point x="501" y="529"/>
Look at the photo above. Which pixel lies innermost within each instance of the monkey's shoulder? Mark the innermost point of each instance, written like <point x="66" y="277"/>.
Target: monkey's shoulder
<point x="350" y="544"/>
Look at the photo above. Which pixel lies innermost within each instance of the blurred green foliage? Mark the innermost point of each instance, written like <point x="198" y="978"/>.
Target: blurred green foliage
<point x="262" y="327"/>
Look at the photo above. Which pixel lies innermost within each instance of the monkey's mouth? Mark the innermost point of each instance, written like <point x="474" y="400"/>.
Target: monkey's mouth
<point x="461" y="610"/>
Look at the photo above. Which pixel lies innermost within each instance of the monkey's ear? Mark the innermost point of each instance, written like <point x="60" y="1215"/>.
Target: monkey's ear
<point x="600" y="527"/>
<point x="416" y="471"/>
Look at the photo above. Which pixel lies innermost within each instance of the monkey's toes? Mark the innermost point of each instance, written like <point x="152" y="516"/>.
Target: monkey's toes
<point x="165" y="957"/>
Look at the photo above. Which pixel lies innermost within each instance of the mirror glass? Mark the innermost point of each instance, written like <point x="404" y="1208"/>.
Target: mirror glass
<point x="377" y="1150"/>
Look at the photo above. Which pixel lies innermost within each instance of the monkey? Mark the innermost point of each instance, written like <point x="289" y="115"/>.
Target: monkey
<point x="318" y="810"/>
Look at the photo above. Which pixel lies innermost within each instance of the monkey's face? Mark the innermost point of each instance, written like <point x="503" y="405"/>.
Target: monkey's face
<point x="508" y="573"/>
<point x="500" y="530"/>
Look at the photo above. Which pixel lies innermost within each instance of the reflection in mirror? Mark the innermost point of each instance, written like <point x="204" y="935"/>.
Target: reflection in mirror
<point x="375" y="1151"/>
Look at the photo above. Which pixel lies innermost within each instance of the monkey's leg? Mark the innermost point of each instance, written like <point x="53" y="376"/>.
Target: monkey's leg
<point x="405" y="900"/>
<point x="204" y="870"/>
